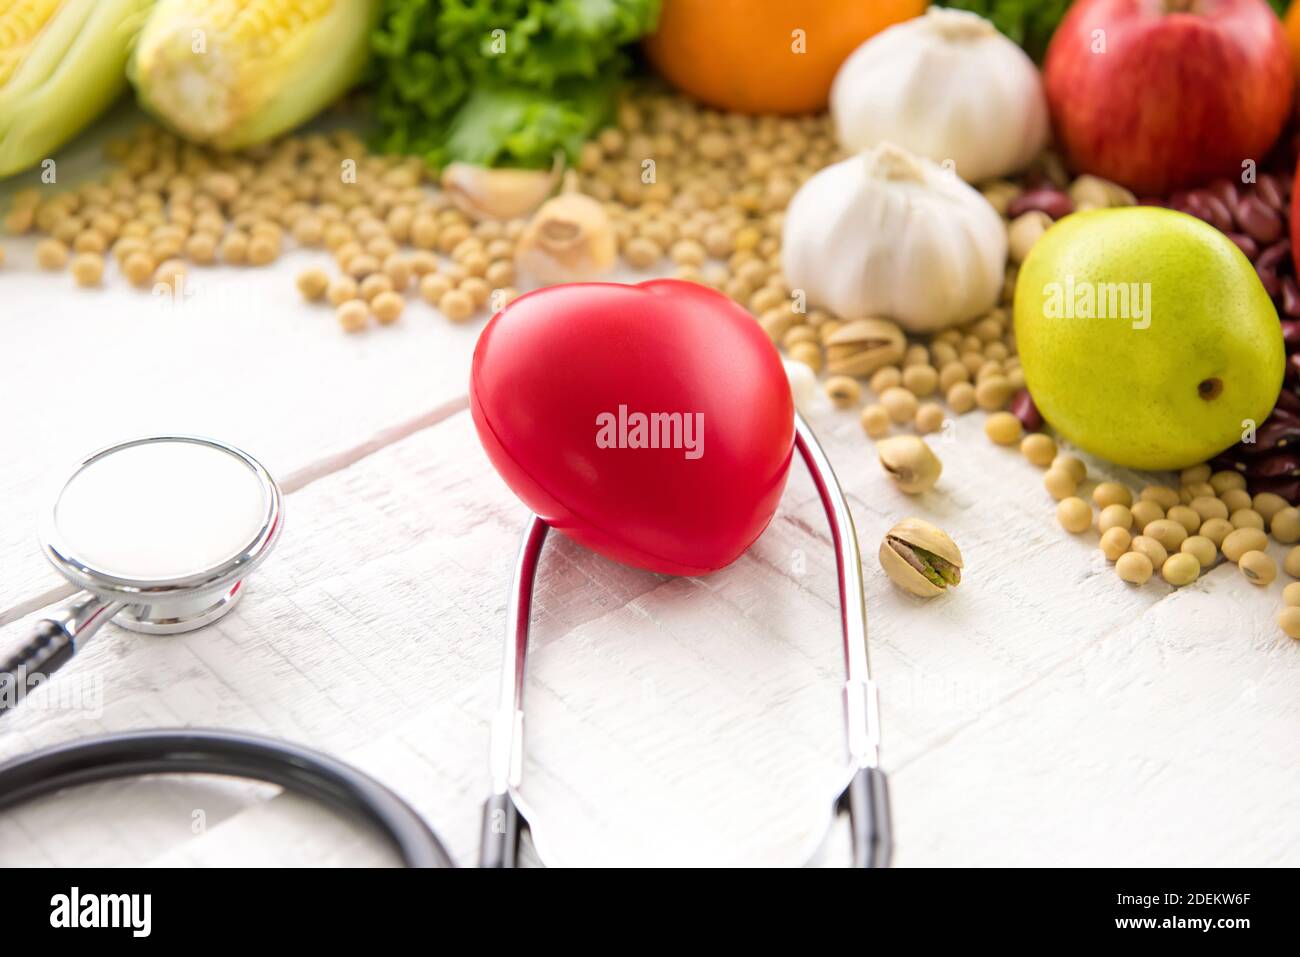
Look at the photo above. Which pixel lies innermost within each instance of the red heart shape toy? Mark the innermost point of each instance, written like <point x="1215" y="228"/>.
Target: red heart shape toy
<point x="652" y="423"/>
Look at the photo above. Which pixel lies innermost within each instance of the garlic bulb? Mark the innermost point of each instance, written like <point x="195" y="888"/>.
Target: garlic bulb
<point x="891" y="235"/>
<point x="808" y="398"/>
<point x="947" y="86"/>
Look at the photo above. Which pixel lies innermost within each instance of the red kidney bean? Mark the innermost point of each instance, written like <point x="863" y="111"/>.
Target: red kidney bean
<point x="1278" y="465"/>
<point x="1272" y="284"/>
<point x="1277" y="433"/>
<point x="1288" y="402"/>
<point x="1047" y="199"/>
<point x="1270" y="191"/>
<point x="1206" y="206"/>
<point x="1273" y="256"/>
<point x="1291" y="332"/>
<point x="1226" y="191"/>
<point x="1256" y="218"/>
<point x="1245" y="244"/>
<point x="1230" y="461"/>
<point x="1220" y="215"/>
<point x="1288" y="488"/>
<point x="1154" y="201"/>
<point x="1178" y="199"/>
<point x="1290" y="298"/>
<point x="1292" y="367"/>
<point x="1023" y="408"/>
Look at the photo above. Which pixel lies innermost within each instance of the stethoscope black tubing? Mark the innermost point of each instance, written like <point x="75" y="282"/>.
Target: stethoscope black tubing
<point x="230" y="754"/>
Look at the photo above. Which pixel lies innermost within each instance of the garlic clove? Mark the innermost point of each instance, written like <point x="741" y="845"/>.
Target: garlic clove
<point x="569" y="239"/>
<point x="484" y="193"/>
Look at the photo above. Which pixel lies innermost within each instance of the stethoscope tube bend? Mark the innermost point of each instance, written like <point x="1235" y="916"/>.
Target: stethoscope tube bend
<point x="865" y="796"/>
<point x="232" y="754"/>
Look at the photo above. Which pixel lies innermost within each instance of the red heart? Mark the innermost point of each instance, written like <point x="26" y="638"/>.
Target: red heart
<point x="558" y="379"/>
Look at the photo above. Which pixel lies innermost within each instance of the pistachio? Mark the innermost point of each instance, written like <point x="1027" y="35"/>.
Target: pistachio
<point x="909" y="462"/>
<point x="920" y="558"/>
<point x="860" y="347"/>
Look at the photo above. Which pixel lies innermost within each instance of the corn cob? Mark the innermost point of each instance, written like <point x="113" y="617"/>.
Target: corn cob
<point x="233" y="73"/>
<point x="61" y="65"/>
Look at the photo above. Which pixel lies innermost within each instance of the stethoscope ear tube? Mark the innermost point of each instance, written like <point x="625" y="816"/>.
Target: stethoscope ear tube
<point x="865" y="799"/>
<point x="231" y="754"/>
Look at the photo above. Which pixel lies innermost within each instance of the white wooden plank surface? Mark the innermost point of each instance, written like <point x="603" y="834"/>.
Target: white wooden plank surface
<point x="1044" y="713"/>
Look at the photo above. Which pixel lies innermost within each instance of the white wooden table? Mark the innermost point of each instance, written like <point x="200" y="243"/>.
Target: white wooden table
<point x="1044" y="713"/>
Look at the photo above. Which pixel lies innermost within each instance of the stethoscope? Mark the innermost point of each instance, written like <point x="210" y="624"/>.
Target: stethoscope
<point x="159" y="596"/>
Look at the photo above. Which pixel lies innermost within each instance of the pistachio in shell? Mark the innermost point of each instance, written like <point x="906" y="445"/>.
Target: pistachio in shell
<point x="910" y="462"/>
<point x="861" y="346"/>
<point x="920" y="558"/>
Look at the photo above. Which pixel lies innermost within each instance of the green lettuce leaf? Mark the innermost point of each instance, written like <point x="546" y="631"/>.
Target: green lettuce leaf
<point x="504" y="82"/>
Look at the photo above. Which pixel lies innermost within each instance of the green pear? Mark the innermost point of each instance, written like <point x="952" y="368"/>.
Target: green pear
<point x="1146" y="337"/>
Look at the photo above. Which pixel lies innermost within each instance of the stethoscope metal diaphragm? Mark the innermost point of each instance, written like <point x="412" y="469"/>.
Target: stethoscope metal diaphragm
<point x="160" y="533"/>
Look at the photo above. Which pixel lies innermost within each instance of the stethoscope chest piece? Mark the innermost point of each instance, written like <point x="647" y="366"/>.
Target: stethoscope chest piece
<point x="166" y="526"/>
<point x="160" y="533"/>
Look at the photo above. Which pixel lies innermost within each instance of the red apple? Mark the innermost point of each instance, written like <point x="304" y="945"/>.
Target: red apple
<point x="1164" y="94"/>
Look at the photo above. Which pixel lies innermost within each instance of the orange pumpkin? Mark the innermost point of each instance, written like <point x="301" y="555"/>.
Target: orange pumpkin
<point x="765" y="56"/>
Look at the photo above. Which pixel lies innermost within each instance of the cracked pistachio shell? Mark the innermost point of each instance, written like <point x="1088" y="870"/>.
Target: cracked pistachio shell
<point x="911" y="463"/>
<point x="861" y="346"/>
<point x="920" y="534"/>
